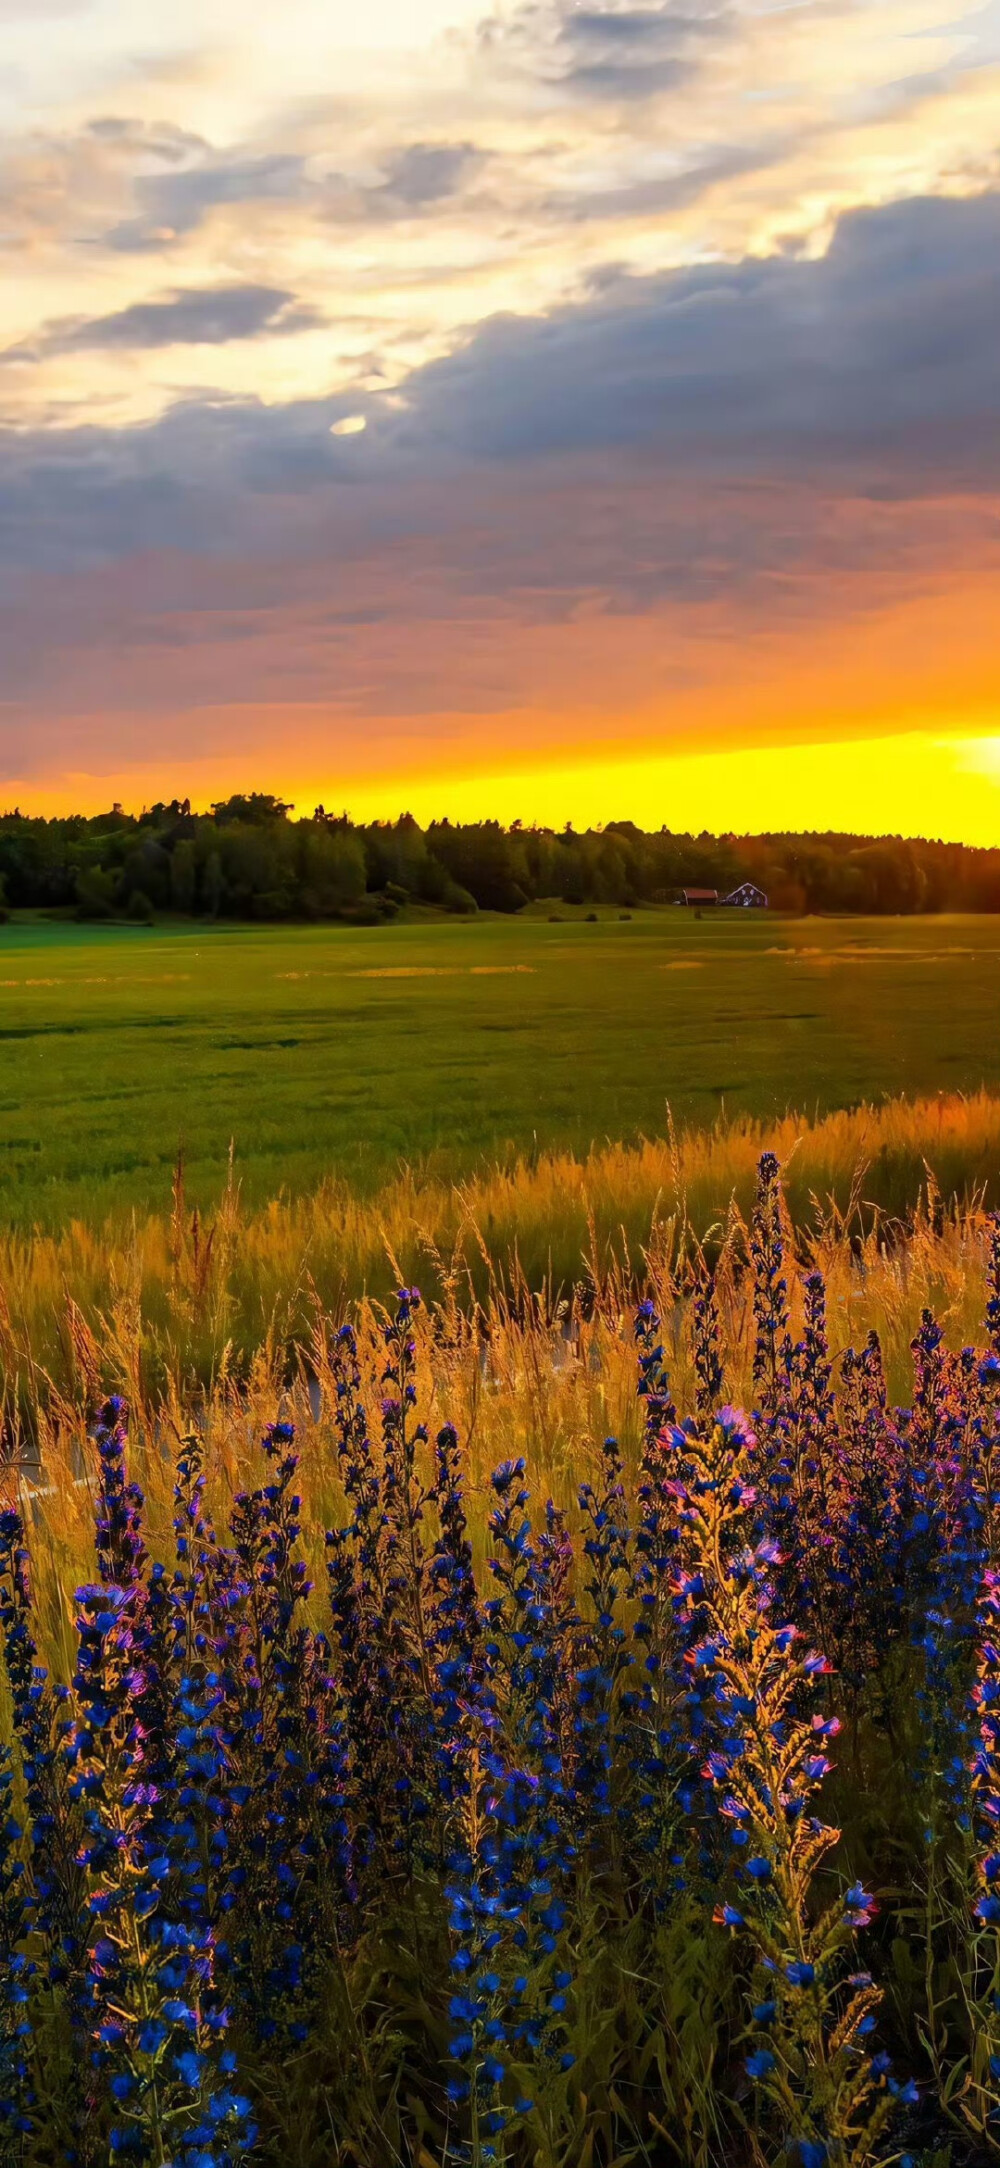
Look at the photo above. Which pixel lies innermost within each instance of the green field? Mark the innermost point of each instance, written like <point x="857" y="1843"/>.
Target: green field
<point x="333" y="1050"/>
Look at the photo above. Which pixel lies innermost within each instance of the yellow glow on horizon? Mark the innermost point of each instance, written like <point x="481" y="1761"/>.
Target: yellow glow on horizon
<point x="912" y="783"/>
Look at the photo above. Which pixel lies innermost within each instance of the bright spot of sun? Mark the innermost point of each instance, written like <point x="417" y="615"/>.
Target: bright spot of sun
<point x="350" y="425"/>
<point x="977" y="757"/>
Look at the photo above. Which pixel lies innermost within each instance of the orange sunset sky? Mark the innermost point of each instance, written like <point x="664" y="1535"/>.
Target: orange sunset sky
<point x="551" y="410"/>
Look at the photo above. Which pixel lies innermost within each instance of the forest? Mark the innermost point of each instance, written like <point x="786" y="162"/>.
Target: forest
<point x="249" y="858"/>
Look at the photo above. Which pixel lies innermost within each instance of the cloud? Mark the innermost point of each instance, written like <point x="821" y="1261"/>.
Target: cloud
<point x="161" y="140"/>
<point x="712" y="457"/>
<point x="612" y="53"/>
<point x="171" y="204"/>
<point x="426" y="173"/>
<point x="61" y="183"/>
<point x="655" y="194"/>
<point x="412" y="179"/>
<point x="14" y="11"/>
<point x="206" y="316"/>
<point x="207" y="478"/>
<point x="871" y="369"/>
<point x="881" y="353"/>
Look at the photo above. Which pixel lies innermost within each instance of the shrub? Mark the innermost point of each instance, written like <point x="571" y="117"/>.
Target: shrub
<point x="95" y="892"/>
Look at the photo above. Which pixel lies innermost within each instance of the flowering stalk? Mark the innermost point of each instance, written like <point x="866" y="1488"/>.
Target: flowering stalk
<point x="868" y="1555"/>
<point x="288" y="1882"/>
<point x="156" y="2017"/>
<point x="455" y="1632"/>
<point x="377" y="1569"/>
<point x="405" y="1496"/>
<point x="979" y="2092"/>
<point x="50" y="1881"/>
<point x="772" y="1342"/>
<point x="708" y="1370"/>
<point x="16" y="2088"/>
<point x="505" y="1894"/>
<point x="832" y="2100"/>
<point x="41" y="1723"/>
<point x="606" y="1777"/>
<point x="655" y="1708"/>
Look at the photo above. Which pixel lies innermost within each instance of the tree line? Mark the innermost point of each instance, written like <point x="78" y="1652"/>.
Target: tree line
<point x="248" y="858"/>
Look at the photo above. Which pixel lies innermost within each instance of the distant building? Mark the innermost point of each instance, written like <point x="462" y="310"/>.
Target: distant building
<point x="747" y="897"/>
<point x="699" y="895"/>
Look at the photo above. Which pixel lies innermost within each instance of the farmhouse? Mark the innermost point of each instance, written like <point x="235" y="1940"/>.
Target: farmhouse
<point x="747" y="897"/>
<point x="699" y="895"/>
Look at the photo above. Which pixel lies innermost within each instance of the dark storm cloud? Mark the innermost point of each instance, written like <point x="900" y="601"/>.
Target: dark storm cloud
<point x="209" y="316"/>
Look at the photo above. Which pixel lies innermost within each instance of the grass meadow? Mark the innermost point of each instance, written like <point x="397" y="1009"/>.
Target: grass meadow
<point x="553" y="1721"/>
<point x="335" y="1053"/>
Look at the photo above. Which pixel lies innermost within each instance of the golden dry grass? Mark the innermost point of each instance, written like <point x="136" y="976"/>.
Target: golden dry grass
<point x="227" y="1327"/>
<point x="188" y="1290"/>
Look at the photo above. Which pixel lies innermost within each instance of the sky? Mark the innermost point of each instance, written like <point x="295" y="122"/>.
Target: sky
<point x="552" y="410"/>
